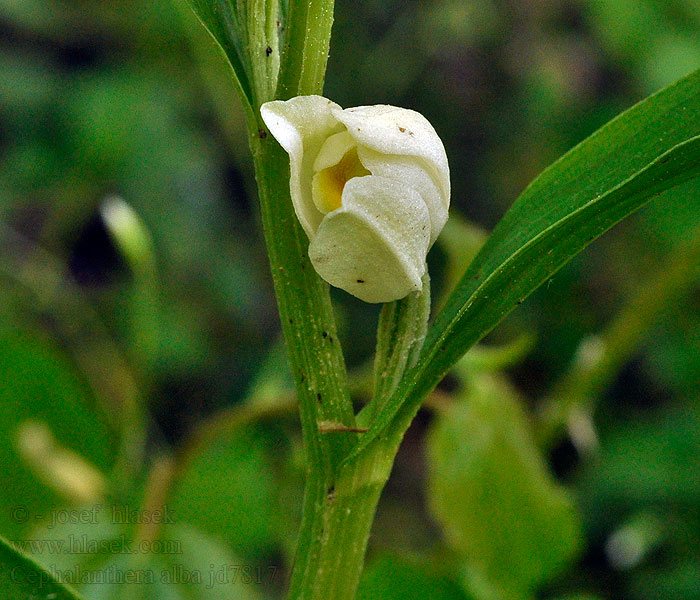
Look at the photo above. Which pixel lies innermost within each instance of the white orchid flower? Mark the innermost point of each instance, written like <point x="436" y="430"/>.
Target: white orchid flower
<point x="371" y="188"/>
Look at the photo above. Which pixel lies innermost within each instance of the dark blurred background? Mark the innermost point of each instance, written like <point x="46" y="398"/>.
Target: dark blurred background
<point x="130" y="100"/>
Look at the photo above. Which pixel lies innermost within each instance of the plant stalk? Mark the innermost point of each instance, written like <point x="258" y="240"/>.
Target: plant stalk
<point x="337" y="510"/>
<point x="341" y="516"/>
<point x="339" y="503"/>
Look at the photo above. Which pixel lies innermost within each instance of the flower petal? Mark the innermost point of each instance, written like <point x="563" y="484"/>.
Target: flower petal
<point x="333" y="150"/>
<point x="374" y="246"/>
<point x="399" y="131"/>
<point x="411" y="173"/>
<point x="301" y="125"/>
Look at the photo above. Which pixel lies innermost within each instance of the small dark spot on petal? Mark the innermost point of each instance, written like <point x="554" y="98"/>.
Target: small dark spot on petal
<point x="402" y="129"/>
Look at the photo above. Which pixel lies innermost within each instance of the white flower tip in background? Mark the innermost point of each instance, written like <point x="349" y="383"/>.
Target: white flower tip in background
<point x="371" y="188"/>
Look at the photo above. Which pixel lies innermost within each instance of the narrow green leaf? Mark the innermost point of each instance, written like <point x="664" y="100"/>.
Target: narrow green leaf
<point x="651" y="148"/>
<point x="22" y="578"/>
<point x="223" y="23"/>
<point x="490" y="490"/>
<point x="247" y="32"/>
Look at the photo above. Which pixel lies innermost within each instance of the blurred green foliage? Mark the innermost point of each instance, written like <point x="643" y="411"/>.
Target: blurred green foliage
<point x="132" y="100"/>
<point x="490" y="490"/>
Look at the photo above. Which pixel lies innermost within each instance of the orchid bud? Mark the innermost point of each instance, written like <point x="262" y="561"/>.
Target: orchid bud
<point x="371" y="188"/>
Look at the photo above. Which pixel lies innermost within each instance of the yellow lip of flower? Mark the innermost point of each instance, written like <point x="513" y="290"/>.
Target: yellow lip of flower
<point x="328" y="183"/>
<point x="371" y="188"/>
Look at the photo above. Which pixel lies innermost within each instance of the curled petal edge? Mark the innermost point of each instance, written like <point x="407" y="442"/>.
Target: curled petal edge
<point x="374" y="246"/>
<point x="301" y="125"/>
<point x="399" y="131"/>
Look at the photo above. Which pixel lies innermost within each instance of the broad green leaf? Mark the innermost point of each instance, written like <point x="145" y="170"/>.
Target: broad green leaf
<point x="490" y="490"/>
<point x="392" y="577"/>
<point x="103" y="557"/>
<point x="230" y="490"/>
<point x="38" y="384"/>
<point x="21" y="578"/>
<point x="651" y="148"/>
<point x="224" y="576"/>
<point x="273" y="381"/>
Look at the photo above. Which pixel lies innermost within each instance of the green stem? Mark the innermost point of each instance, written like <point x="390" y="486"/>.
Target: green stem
<point x="305" y="53"/>
<point x="339" y="504"/>
<point x="342" y="516"/>
<point x="316" y="361"/>
<point x="400" y="336"/>
<point x="305" y="310"/>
